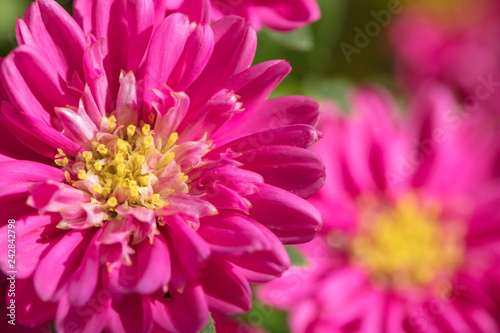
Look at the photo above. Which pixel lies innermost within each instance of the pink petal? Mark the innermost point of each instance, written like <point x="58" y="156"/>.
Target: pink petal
<point x="234" y="49"/>
<point x="84" y="281"/>
<point x="55" y="32"/>
<point x="197" y="51"/>
<point x="169" y="313"/>
<point x="293" y="169"/>
<point x="51" y="196"/>
<point x="40" y="130"/>
<point x="171" y="34"/>
<point x="226" y="291"/>
<point x="129" y="315"/>
<point x="275" y="113"/>
<point x="60" y="262"/>
<point x="290" y="217"/>
<point x="30" y="309"/>
<point x="88" y="318"/>
<point x="27" y="171"/>
<point x="233" y="234"/>
<point x="34" y="234"/>
<point x="188" y="243"/>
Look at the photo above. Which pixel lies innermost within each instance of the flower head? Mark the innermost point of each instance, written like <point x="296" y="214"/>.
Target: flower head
<point x="411" y="227"/>
<point x="149" y="177"/>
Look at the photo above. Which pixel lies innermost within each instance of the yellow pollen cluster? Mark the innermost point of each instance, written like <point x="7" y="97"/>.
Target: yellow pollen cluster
<point x="406" y="245"/>
<point x="117" y="170"/>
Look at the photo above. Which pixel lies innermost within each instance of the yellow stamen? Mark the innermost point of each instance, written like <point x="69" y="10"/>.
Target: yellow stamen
<point x="172" y="139"/>
<point x="145" y="129"/>
<point x="82" y="175"/>
<point x="111" y="124"/>
<point x="130" y="131"/>
<point x="102" y="149"/>
<point x="112" y="202"/>
<point x="406" y="245"/>
<point x="97" y="188"/>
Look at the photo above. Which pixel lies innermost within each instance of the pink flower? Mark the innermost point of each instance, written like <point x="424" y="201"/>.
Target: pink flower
<point x="149" y="177"/>
<point x="455" y="42"/>
<point x="281" y="15"/>
<point x="411" y="232"/>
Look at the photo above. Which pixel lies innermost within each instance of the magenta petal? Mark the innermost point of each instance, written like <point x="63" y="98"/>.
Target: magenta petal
<point x="197" y="51"/>
<point x="95" y="75"/>
<point x="196" y="10"/>
<point x="171" y="34"/>
<point x="226" y="291"/>
<point x="3" y="94"/>
<point x="40" y="130"/>
<point x="36" y="149"/>
<point x="30" y="242"/>
<point x="140" y="17"/>
<point x="294" y="135"/>
<point x="256" y="83"/>
<point x="29" y="74"/>
<point x="274" y="113"/>
<point x="59" y="263"/>
<point x="297" y="170"/>
<point x="126" y="104"/>
<point x="88" y="318"/>
<point x="130" y="314"/>
<point x="27" y="171"/>
<point x="12" y="148"/>
<point x="266" y="264"/>
<point x="30" y="309"/>
<point x="84" y="280"/>
<point x="291" y="218"/>
<point x="51" y="196"/>
<point x="170" y="312"/>
<point x="240" y="180"/>
<point x="153" y="261"/>
<point x="234" y="49"/>
<point x="223" y="197"/>
<point x="78" y="126"/>
<point x="233" y="234"/>
<point x="188" y="244"/>
<point x="58" y="35"/>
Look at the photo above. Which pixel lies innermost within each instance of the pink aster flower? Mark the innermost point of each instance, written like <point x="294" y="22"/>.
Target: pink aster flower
<point x="149" y="177"/>
<point x="455" y="42"/>
<point x="411" y="232"/>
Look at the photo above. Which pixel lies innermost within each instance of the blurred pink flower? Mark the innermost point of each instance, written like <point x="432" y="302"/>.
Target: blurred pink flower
<point x="281" y="15"/>
<point x="411" y="233"/>
<point x="458" y="46"/>
<point x="149" y="177"/>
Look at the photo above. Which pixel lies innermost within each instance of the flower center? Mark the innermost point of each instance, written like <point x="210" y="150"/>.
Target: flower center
<point x="407" y="245"/>
<point x="126" y="166"/>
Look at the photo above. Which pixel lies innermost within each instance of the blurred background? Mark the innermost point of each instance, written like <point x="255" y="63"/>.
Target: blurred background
<point x="362" y="41"/>
<point x="319" y="65"/>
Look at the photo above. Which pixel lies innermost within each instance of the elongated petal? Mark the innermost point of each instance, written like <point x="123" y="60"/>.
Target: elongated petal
<point x="55" y="32"/>
<point x="294" y="169"/>
<point x="169" y="312"/>
<point x="291" y="218"/>
<point x="228" y="293"/>
<point x="234" y="49"/>
<point x="58" y="264"/>
<point x="88" y="318"/>
<point x="171" y="34"/>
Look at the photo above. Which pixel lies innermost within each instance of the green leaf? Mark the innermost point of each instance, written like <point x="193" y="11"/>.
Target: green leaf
<point x="299" y="40"/>
<point x="296" y="258"/>
<point x="210" y="328"/>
